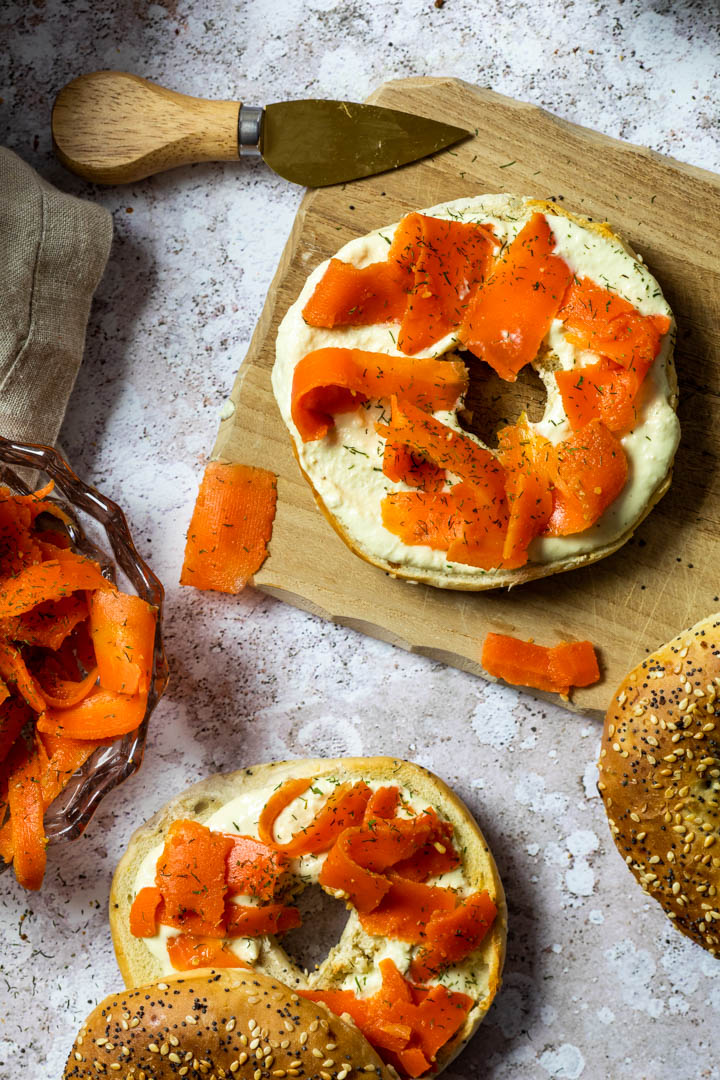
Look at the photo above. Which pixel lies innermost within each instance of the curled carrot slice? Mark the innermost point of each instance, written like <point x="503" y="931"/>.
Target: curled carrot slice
<point x="278" y="801"/>
<point x="406" y="909"/>
<point x="14" y="671"/>
<point x="510" y="315"/>
<point x="48" y="624"/>
<point x="14" y="714"/>
<point x="26" y="814"/>
<point x="102" y="714"/>
<point x="51" y="580"/>
<point x="191" y="872"/>
<point x="143" y="913"/>
<point x="59" y="693"/>
<point x="230" y="527"/>
<point x="343" y="809"/>
<point x="342" y="873"/>
<point x="64" y="757"/>
<point x="334" y="380"/>
<point x="123" y="635"/>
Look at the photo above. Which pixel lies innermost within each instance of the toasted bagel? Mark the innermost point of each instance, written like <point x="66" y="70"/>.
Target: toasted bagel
<point x="660" y="778"/>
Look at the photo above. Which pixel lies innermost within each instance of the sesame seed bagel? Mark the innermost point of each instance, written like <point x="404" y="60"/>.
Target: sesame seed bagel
<point x="660" y="778"/>
<point x="218" y="1024"/>
<point x="233" y="802"/>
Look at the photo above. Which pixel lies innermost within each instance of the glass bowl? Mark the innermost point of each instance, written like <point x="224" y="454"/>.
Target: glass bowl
<point x="96" y="525"/>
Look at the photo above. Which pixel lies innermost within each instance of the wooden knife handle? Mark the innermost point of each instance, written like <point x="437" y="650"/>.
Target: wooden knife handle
<point x="114" y="128"/>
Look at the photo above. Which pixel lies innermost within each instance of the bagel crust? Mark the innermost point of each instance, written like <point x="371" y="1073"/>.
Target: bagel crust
<point x="202" y="1025"/>
<point x="342" y="469"/>
<point x="660" y="778"/>
<point x="356" y="952"/>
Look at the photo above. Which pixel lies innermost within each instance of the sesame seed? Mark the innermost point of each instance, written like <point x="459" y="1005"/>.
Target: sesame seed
<point x="252" y="1024"/>
<point x="175" y="1058"/>
<point x="676" y="888"/>
<point x="135" y="1021"/>
<point x="295" y="1064"/>
<point x="317" y="1053"/>
<point x="257" y="1075"/>
<point x="313" y="1026"/>
<point x="154" y="1048"/>
<point x="78" y="1057"/>
<point x="163" y="986"/>
<point x="328" y="1063"/>
<point x="303" y="1038"/>
<point x="191" y="1020"/>
<point x="242" y="1058"/>
<point x="254" y="1044"/>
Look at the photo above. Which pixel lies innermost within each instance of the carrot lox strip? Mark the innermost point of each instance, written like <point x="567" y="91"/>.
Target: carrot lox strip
<point x="508" y="317"/>
<point x="26" y="814"/>
<point x="230" y="527"/>
<point x="51" y="580"/>
<point x="344" y="808"/>
<point x="14" y="714"/>
<point x="48" y="624"/>
<point x="64" y="757"/>
<point x="143" y="913"/>
<point x="590" y="470"/>
<point x="187" y="951"/>
<point x="434" y="441"/>
<point x="449" y="260"/>
<point x="451" y="936"/>
<point x="60" y="693"/>
<point x="244" y="921"/>
<point x="123" y="634"/>
<point x="334" y="380"/>
<point x="13" y="670"/>
<point x="350" y="296"/>
<point x="341" y="872"/>
<point x="525" y="456"/>
<point x="278" y="801"/>
<point x="101" y="715"/>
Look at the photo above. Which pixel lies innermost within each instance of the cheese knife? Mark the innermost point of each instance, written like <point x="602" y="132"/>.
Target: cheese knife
<point x="114" y="128"/>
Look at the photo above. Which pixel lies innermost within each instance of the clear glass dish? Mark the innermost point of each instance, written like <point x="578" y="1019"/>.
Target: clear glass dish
<point x="98" y="526"/>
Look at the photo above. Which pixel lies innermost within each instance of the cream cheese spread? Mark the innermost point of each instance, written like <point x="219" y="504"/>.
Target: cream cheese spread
<point x="353" y="963"/>
<point x="345" y="466"/>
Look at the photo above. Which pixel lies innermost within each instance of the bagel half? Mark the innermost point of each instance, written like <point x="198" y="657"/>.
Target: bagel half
<point x="348" y="490"/>
<point x="356" y="953"/>
<point x="218" y="1024"/>
<point x="660" y="778"/>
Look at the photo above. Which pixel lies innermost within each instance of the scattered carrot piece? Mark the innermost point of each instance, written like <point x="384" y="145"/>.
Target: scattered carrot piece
<point x="230" y="527"/>
<point x="123" y="635"/>
<point x="523" y="663"/>
<point x="509" y="316"/>
<point x="334" y="380"/>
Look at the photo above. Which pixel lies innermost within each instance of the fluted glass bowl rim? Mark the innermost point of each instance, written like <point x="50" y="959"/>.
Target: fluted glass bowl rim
<point x="69" y="815"/>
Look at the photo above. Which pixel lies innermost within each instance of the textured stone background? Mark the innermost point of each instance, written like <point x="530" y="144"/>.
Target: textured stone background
<point x="597" y="984"/>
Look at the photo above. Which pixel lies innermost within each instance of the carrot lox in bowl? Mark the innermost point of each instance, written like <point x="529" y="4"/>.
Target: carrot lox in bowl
<point x="215" y="879"/>
<point x="375" y="358"/>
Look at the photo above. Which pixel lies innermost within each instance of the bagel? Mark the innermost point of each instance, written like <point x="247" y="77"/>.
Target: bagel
<point x="464" y="877"/>
<point x="343" y="466"/>
<point x="203" y="1024"/>
<point x="660" y="778"/>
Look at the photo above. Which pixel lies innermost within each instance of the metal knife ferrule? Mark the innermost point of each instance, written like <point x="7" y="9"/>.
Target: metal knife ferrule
<point x="249" y="130"/>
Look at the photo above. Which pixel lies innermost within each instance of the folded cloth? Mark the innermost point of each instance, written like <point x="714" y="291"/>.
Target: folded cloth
<point x="54" y="248"/>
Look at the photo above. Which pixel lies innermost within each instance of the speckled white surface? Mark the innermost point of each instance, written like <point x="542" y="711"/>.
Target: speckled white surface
<point x="597" y="983"/>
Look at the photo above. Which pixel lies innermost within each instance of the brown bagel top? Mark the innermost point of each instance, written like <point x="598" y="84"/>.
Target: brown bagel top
<point x="216" y="1024"/>
<point x="660" y="778"/>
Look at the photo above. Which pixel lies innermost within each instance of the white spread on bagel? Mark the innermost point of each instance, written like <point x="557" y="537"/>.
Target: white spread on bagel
<point x="353" y="963"/>
<point x="345" y="466"/>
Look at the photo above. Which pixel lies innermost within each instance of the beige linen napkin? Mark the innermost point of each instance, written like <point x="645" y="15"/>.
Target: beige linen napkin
<point x="53" y="248"/>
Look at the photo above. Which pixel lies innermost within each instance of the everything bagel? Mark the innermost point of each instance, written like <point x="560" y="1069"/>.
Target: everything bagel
<point x="660" y="778"/>
<point x="213" y="878"/>
<point x="371" y="387"/>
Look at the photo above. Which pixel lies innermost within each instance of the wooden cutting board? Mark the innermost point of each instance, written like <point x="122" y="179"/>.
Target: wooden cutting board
<point x="668" y="576"/>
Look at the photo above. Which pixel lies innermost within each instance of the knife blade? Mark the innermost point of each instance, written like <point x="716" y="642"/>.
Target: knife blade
<point x="113" y="127"/>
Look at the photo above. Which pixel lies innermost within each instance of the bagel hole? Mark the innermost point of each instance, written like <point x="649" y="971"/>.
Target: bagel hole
<point x="492" y="403"/>
<point x="323" y="921"/>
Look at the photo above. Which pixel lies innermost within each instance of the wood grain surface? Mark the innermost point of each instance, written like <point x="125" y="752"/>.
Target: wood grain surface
<point x="662" y="580"/>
